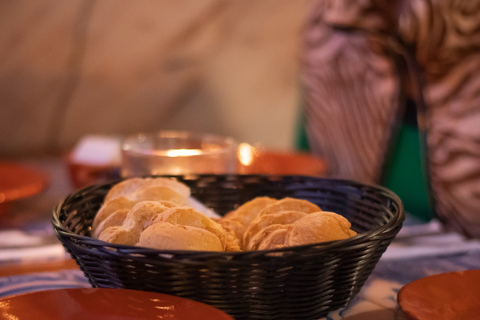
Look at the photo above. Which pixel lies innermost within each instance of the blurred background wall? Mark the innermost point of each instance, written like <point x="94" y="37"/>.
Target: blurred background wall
<point x="71" y="68"/>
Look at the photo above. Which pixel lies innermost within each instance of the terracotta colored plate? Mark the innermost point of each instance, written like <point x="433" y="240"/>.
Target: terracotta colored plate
<point x="82" y="175"/>
<point x="283" y="163"/>
<point x="18" y="182"/>
<point x="105" y="304"/>
<point x="453" y="295"/>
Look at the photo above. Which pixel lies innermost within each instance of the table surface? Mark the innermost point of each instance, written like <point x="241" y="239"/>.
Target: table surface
<point x="32" y="259"/>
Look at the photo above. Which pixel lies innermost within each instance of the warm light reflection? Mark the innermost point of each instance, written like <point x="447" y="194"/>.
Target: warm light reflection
<point x="4" y="307"/>
<point x="183" y="152"/>
<point x="245" y="154"/>
<point x="168" y="308"/>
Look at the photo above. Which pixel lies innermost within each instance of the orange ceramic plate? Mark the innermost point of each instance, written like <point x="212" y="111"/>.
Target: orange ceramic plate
<point x="18" y="182"/>
<point x="283" y="163"/>
<point x="453" y="295"/>
<point x="105" y="304"/>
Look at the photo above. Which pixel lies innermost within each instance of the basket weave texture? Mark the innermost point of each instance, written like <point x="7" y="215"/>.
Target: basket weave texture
<point x="302" y="282"/>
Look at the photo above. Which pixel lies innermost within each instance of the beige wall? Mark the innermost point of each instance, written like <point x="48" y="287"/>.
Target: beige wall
<point x="70" y="68"/>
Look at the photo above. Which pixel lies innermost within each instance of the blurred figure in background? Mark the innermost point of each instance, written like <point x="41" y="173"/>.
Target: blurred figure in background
<point x="366" y="66"/>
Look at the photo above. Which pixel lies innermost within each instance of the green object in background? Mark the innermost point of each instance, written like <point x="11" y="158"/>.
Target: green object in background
<point x="301" y="142"/>
<point x="405" y="175"/>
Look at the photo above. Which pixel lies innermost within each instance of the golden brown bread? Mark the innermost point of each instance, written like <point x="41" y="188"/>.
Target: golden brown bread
<point x="319" y="227"/>
<point x="167" y="236"/>
<point x="250" y="214"/>
<point x="105" y="219"/>
<point x="128" y="193"/>
<point x="110" y="207"/>
<point x="118" y="235"/>
<point x="271" y="237"/>
<point x="316" y="227"/>
<point x="233" y="232"/>
<point x="151" y="212"/>
<point x="141" y="222"/>
<point x="236" y="222"/>
<point x="290" y="204"/>
<point x="249" y="210"/>
<point x="187" y="216"/>
<point x="134" y="185"/>
<point x="263" y="221"/>
<point x="115" y="219"/>
<point x="113" y="207"/>
<point x="135" y="221"/>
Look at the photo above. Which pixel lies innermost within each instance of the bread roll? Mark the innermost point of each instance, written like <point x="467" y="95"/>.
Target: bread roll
<point x="290" y="204"/>
<point x="249" y="210"/>
<point x="133" y="185"/>
<point x="151" y="212"/>
<point x="234" y="233"/>
<point x="311" y="228"/>
<point x="167" y="236"/>
<point x="158" y="193"/>
<point x="126" y="194"/>
<point x="263" y="221"/>
<point x="114" y="219"/>
<point x="118" y="235"/>
<point x="139" y="217"/>
<point x="187" y="216"/>
<point x="271" y="237"/>
<point x="135" y="221"/>
<point x="110" y="207"/>
<point x="319" y="227"/>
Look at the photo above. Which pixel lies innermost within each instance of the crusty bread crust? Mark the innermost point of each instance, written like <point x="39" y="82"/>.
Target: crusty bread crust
<point x="151" y="212"/>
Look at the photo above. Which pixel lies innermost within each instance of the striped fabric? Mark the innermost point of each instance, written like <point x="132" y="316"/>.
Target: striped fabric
<point x="42" y="281"/>
<point x="362" y="60"/>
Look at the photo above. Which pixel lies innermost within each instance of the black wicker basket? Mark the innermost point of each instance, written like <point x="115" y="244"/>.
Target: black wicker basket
<point x="302" y="282"/>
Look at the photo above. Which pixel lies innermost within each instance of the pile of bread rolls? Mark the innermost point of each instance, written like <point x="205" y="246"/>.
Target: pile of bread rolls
<point x="157" y="213"/>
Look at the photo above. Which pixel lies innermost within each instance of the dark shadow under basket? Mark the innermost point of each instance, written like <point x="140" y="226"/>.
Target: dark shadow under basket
<point x="303" y="282"/>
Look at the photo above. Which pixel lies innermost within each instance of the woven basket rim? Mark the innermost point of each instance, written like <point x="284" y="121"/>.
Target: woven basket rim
<point x="393" y="223"/>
